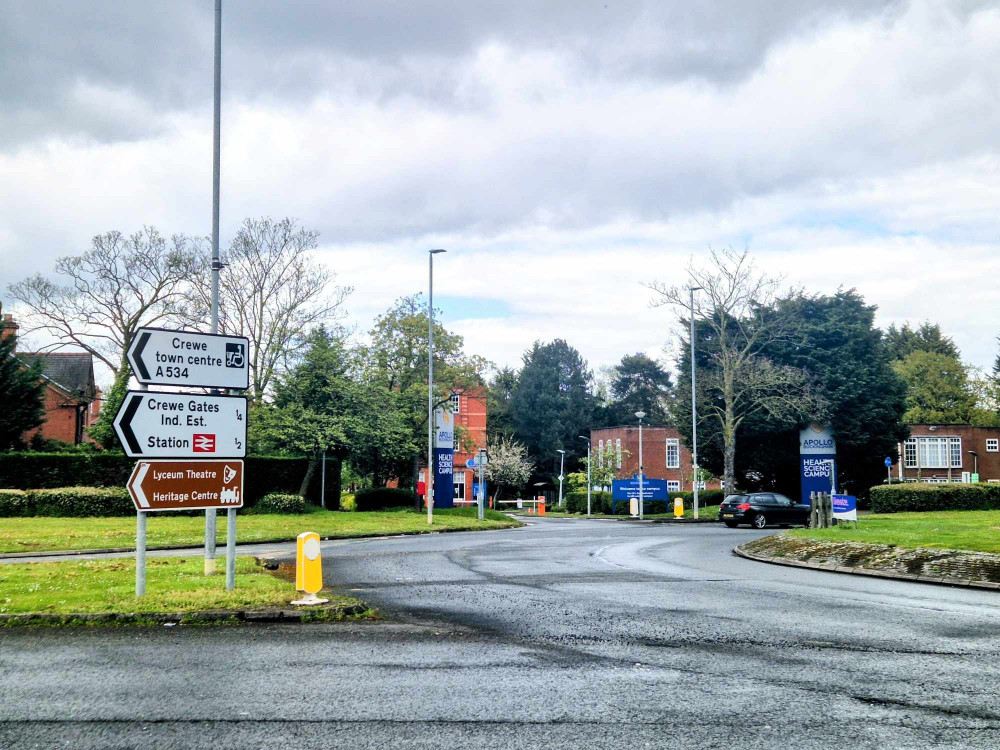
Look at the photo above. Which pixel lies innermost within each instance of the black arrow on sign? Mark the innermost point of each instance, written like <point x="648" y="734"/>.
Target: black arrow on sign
<point x="137" y="355"/>
<point x="126" y="423"/>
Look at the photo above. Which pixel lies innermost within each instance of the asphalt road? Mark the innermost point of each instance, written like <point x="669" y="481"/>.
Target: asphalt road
<point x="569" y="633"/>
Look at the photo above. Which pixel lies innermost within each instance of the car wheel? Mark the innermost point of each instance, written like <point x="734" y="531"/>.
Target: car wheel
<point x="731" y="524"/>
<point x="759" y="521"/>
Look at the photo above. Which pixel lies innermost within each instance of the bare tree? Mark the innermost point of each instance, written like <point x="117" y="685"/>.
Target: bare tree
<point x="741" y="382"/>
<point x="120" y="284"/>
<point x="272" y="291"/>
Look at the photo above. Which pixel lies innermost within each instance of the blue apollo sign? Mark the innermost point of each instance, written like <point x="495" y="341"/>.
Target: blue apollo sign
<point x="817" y="460"/>
<point x="444" y="468"/>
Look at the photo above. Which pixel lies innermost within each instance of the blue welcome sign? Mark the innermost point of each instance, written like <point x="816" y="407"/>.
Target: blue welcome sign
<point x="626" y="489"/>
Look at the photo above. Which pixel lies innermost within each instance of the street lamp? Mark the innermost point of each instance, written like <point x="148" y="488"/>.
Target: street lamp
<point x="562" y="458"/>
<point x="588" y="471"/>
<point x="640" y="415"/>
<point x="694" y="414"/>
<point x="429" y="484"/>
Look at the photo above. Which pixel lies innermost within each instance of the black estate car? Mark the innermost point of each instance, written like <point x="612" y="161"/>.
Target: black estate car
<point x="760" y="509"/>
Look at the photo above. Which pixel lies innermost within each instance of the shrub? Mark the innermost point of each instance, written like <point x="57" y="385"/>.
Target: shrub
<point x="600" y="502"/>
<point x="576" y="502"/>
<point x="278" y="502"/>
<point x="924" y="496"/>
<point x="705" y="497"/>
<point x="379" y="498"/>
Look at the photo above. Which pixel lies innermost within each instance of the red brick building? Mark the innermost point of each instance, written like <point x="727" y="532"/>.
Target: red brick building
<point x="949" y="453"/>
<point x="664" y="455"/>
<point x="469" y="410"/>
<point x="72" y="398"/>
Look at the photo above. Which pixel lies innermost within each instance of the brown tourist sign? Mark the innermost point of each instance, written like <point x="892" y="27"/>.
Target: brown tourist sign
<point x="186" y="485"/>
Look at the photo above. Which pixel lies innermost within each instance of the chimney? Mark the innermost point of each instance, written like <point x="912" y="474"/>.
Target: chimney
<point x="8" y="327"/>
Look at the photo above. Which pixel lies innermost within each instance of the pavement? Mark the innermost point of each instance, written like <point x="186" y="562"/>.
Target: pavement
<point x="564" y="634"/>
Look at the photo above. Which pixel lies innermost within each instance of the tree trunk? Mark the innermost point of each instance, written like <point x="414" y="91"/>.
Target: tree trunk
<point x="310" y="470"/>
<point x="729" y="432"/>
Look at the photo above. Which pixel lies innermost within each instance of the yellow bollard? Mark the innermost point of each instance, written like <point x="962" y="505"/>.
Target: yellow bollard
<point x="308" y="568"/>
<point x="678" y="508"/>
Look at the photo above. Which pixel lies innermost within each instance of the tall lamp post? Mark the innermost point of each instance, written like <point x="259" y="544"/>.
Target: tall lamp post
<point x="694" y="413"/>
<point x="588" y="471"/>
<point x="429" y="484"/>
<point x="562" y="458"/>
<point x="640" y="415"/>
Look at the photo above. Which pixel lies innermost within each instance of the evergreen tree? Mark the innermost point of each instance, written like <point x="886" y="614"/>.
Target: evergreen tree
<point x="21" y="393"/>
<point x="901" y="342"/>
<point x="552" y="404"/>
<point x="499" y="393"/>
<point x="639" y="382"/>
<point x="839" y="346"/>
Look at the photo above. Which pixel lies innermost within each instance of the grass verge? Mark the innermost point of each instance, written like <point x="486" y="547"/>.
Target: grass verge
<point x="166" y="530"/>
<point x="974" y="530"/>
<point x="108" y="587"/>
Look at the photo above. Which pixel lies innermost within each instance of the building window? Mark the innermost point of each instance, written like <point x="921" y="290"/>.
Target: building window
<point x="673" y="453"/>
<point x="618" y="452"/>
<point x="992" y="445"/>
<point x="673" y="485"/>
<point x="701" y="485"/>
<point x="456" y="402"/>
<point x="458" y="482"/>
<point x="455" y="445"/>
<point x="600" y="453"/>
<point x="932" y="453"/>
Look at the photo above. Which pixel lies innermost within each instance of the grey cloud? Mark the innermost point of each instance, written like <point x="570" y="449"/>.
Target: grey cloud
<point x="159" y="54"/>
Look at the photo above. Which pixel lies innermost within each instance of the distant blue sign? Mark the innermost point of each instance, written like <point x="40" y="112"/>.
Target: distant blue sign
<point x="626" y="489"/>
<point x="845" y="507"/>
<point x="888" y="461"/>
<point x="475" y="490"/>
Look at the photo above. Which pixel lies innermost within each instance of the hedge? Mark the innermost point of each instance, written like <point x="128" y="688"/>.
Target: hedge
<point x="600" y="502"/>
<point x="264" y="474"/>
<point x="67" y="501"/>
<point x="379" y="498"/>
<point x="924" y="496"/>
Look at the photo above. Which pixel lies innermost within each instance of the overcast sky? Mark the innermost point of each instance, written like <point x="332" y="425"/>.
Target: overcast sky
<point x="562" y="151"/>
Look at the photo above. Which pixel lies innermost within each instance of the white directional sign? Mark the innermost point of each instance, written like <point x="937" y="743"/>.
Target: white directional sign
<point x="181" y="425"/>
<point x="189" y="359"/>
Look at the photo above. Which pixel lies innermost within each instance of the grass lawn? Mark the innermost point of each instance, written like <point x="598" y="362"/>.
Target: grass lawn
<point x="167" y="529"/>
<point x="977" y="530"/>
<point x="108" y="586"/>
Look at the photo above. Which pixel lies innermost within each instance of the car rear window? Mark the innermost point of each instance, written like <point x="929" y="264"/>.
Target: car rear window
<point x="734" y="499"/>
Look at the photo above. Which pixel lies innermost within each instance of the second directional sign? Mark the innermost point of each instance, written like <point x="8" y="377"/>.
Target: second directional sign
<point x="189" y="359"/>
<point x="182" y="425"/>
